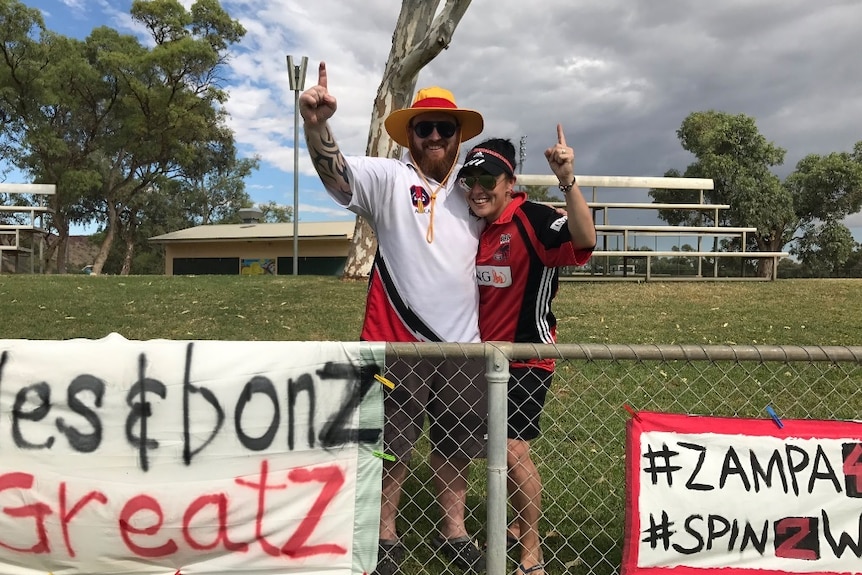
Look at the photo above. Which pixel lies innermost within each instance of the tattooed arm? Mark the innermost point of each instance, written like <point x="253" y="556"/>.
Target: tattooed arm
<point x="327" y="159"/>
<point x="317" y="105"/>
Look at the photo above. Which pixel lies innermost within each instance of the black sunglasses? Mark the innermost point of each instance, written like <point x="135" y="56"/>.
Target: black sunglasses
<point x="487" y="181"/>
<point x="445" y="129"/>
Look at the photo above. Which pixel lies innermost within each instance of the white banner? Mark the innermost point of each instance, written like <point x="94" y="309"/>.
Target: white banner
<point x="739" y="496"/>
<point x="189" y="457"/>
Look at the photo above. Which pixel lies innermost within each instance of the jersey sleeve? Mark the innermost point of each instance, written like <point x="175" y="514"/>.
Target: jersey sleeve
<point x="552" y="233"/>
<point x="370" y="183"/>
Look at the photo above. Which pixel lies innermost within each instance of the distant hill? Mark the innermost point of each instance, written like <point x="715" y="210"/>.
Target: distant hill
<point x="81" y="252"/>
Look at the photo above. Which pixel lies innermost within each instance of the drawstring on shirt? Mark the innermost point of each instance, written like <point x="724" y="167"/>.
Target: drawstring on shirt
<point x="429" y="235"/>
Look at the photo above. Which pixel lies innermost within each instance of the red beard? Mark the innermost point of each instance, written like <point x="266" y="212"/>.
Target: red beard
<point x="436" y="169"/>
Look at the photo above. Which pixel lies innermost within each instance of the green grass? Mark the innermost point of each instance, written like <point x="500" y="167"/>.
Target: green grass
<point x="207" y="307"/>
<point x="581" y="451"/>
<point x="787" y="312"/>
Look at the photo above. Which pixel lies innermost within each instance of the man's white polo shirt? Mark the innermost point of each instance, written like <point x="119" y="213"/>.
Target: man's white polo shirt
<point x="428" y="288"/>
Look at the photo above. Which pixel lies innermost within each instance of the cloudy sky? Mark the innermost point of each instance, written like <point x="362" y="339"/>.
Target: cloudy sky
<point x="620" y="75"/>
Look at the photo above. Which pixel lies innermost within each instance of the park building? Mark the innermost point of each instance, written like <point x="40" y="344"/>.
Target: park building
<point x="257" y="248"/>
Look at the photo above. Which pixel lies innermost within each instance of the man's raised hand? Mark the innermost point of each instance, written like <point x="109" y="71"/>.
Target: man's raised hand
<point x="317" y="105"/>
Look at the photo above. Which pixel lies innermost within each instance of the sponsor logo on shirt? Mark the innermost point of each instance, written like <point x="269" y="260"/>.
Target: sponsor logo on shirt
<point x="494" y="276"/>
<point x="420" y="198"/>
<point x="559" y="223"/>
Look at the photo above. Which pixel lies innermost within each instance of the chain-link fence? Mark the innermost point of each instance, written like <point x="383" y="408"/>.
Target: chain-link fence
<point x="581" y="452"/>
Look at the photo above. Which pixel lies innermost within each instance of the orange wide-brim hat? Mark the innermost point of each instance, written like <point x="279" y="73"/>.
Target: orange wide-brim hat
<point x="433" y="99"/>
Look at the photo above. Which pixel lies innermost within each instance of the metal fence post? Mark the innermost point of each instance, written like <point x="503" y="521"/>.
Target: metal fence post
<point x="497" y="374"/>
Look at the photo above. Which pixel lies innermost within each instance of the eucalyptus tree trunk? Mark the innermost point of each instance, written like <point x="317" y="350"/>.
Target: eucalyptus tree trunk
<point x="108" y="241"/>
<point x="772" y="243"/>
<point x="128" y="255"/>
<point x="419" y="36"/>
<point x="58" y="247"/>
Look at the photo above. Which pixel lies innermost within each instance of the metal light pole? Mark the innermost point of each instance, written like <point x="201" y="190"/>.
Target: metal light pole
<point x="297" y="84"/>
<point x="522" y="154"/>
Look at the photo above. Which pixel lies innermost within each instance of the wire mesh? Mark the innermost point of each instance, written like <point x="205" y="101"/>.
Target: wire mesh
<point x="580" y="453"/>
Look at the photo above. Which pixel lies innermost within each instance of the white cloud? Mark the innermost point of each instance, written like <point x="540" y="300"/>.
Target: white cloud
<point x="329" y="213"/>
<point x="620" y="76"/>
<point x="854" y="221"/>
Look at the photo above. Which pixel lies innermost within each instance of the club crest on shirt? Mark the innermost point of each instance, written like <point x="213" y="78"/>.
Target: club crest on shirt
<point x="502" y="253"/>
<point x="420" y="198"/>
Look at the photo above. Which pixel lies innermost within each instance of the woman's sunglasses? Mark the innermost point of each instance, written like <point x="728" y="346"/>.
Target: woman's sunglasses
<point x="445" y="129"/>
<point x="487" y="181"/>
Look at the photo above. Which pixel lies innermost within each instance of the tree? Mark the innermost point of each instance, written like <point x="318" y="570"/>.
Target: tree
<point x="790" y="268"/>
<point x="853" y="265"/>
<point x="108" y="119"/>
<point x="52" y="103"/>
<point x="274" y="213"/>
<point x="825" y="249"/>
<point x="540" y="194"/>
<point x="418" y="37"/>
<point x="828" y="187"/>
<point x="808" y="207"/>
<point x="212" y="182"/>
<point x="171" y="98"/>
<point x="825" y="190"/>
<point x="730" y="150"/>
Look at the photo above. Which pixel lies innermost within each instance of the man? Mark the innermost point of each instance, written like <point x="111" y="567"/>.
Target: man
<point x="422" y="288"/>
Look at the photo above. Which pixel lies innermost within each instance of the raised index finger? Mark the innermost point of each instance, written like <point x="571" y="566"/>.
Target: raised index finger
<point x="561" y="137"/>
<point x="321" y="75"/>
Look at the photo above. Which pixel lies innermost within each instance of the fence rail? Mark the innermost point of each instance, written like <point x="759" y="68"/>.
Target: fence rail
<point x="581" y="451"/>
<point x="596" y="351"/>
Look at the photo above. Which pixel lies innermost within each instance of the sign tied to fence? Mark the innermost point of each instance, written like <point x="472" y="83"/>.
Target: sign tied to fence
<point x="197" y="457"/>
<point x="742" y="496"/>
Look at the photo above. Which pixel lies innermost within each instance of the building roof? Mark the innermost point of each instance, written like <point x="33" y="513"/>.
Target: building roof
<point x="259" y="231"/>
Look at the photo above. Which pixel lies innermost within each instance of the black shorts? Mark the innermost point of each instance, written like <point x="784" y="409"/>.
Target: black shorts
<point x="454" y="395"/>
<point x="528" y="387"/>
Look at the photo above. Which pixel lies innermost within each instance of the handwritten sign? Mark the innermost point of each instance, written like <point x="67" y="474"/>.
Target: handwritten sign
<point x="197" y="457"/>
<point x="742" y="496"/>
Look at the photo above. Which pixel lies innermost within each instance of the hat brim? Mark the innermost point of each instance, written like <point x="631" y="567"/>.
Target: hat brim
<point x="470" y="122"/>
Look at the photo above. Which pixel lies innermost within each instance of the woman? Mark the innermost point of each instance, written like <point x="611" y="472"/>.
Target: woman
<point x="519" y="252"/>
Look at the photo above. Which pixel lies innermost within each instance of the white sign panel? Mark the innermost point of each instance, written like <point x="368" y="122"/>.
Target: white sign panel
<point x="743" y="495"/>
<point x="189" y="457"/>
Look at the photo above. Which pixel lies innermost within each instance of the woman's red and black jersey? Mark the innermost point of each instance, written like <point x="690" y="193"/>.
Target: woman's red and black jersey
<point x="516" y="268"/>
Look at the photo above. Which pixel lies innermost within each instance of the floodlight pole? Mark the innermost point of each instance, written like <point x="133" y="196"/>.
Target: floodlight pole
<point x="522" y="154"/>
<point x="297" y="84"/>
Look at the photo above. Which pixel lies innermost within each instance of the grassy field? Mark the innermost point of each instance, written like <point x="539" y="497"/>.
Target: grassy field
<point x="786" y="312"/>
<point x="584" y="415"/>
